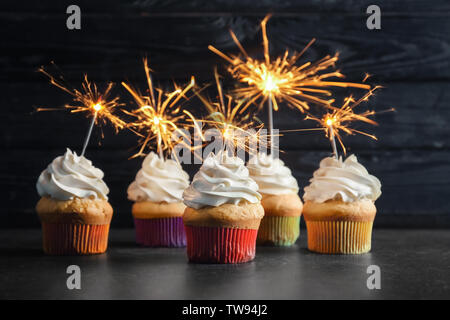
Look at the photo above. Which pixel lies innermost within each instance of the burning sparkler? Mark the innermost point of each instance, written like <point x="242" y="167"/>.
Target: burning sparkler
<point x="237" y="131"/>
<point x="159" y="115"/>
<point x="91" y="100"/>
<point x="280" y="79"/>
<point x="339" y="120"/>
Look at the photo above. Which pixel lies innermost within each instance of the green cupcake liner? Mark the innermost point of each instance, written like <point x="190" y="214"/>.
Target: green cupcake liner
<point x="278" y="231"/>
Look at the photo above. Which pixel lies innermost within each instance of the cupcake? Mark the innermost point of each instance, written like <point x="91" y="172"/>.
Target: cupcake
<point x="339" y="207"/>
<point x="282" y="205"/>
<point x="74" y="210"/>
<point x="158" y="206"/>
<point x="223" y="212"/>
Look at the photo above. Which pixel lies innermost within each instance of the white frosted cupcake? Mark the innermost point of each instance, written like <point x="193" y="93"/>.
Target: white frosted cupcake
<point x="282" y="205"/>
<point x="158" y="206"/>
<point x="339" y="207"/>
<point x="74" y="210"/>
<point x="223" y="212"/>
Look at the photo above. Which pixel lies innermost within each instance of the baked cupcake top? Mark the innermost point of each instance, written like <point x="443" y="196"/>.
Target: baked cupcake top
<point x="271" y="175"/>
<point x="71" y="176"/>
<point x="347" y="181"/>
<point x="221" y="179"/>
<point x="159" y="180"/>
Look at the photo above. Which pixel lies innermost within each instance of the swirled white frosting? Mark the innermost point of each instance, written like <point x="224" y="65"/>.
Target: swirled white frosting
<point x="342" y="180"/>
<point x="70" y="176"/>
<point x="221" y="179"/>
<point x="159" y="180"/>
<point x="271" y="175"/>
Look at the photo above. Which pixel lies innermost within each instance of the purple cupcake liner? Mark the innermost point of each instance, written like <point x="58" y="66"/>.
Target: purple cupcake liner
<point x="160" y="232"/>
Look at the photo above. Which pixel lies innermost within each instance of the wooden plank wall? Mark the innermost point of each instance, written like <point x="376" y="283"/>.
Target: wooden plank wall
<point x="410" y="56"/>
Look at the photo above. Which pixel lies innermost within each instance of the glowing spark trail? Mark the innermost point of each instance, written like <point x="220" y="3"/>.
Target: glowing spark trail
<point x="91" y="100"/>
<point x="280" y="79"/>
<point x="337" y="121"/>
<point x="237" y="131"/>
<point x="159" y="115"/>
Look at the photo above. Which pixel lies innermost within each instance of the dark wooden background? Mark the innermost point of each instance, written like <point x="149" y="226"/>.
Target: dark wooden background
<point x="410" y="56"/>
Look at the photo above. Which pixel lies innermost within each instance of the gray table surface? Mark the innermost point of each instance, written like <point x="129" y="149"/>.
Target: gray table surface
<point x="414" y="264"/>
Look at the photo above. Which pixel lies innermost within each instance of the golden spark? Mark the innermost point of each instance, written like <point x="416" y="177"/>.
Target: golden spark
<point x="280" y="79"/>
<point x="237" y="131"/>
<point x="159" y="115"/>
<point x="91" y="100"/>
<point x="338" y="120"/>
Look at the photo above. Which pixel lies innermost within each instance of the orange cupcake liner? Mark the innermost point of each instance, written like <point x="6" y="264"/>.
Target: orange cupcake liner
<point x="74" y="239"/>
<point x="278" y="231"/>
<point x="344" y="237"/>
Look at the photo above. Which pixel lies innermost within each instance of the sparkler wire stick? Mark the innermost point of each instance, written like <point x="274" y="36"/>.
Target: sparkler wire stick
<point x="160" y="151"/>
<point x="88" y="136"/>
<point x="222" y="102"/>
<point x="333" y="142"/>
<point x="270" y="120"/>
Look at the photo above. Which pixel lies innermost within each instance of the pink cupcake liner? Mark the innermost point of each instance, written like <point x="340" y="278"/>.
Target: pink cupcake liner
<point x="160" y="232"/>
<point x="220" y="245"/>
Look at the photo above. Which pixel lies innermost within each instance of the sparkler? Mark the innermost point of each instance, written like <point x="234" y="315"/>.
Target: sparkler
<point x="238" y="131"/>
<point x="91" y="100"/>
<point x="339" y="120"/>
<point x="159" y="115"/>
<point x="280" y="79"/>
